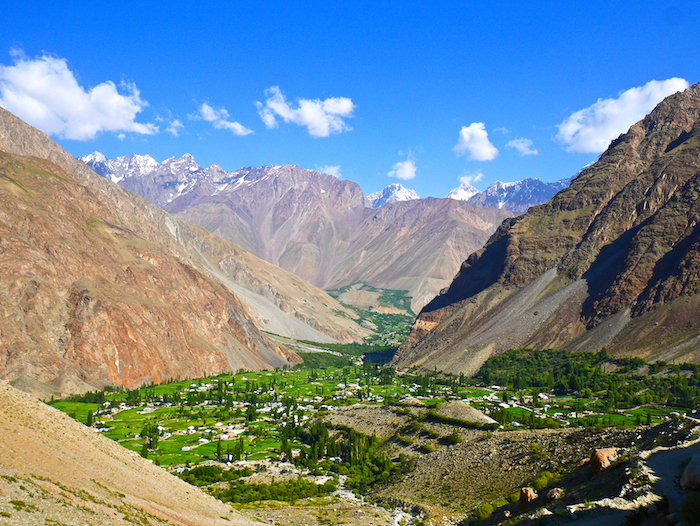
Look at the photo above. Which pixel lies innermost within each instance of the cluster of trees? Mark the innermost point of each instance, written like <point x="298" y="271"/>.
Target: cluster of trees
<point x="150" y="434"/>
<point x="209" y="474"/>
<point x="582" y="373"/>
<point x="288" y="490"/>
<point x="341" y="450"/>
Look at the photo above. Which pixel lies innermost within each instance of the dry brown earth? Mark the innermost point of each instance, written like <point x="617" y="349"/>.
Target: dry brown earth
<point x="55" y="471"/>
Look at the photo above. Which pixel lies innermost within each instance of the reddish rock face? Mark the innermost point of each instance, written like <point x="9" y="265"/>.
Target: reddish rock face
<point x="86" y="303"/>
<point x="600" y="459"/>
<point x="99" y="286"/>
<point x="527" y="495"/>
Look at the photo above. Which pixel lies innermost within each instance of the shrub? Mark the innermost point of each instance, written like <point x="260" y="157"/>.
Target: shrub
<point x="543" y="480"/>
<point x="537" y="450"/>
<point x="453" y="438"/>
<point x="484" y="511"/>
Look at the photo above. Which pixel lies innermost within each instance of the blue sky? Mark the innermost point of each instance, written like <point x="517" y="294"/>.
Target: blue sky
<point x="428" y="93"/>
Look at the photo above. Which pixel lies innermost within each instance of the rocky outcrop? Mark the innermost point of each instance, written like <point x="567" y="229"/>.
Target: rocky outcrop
<point x="609" y="261"/>
<point x="690" y="480"/>
<point x="600" y="459"/>
<point x="527" y="497"/>
<point x="555" y="494"/>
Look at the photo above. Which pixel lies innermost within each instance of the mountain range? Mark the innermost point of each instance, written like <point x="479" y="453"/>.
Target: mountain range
<point x="100" y="287"/>
<point x="162" y="183"/>
<point x="517" y="196"/>
<point x="611" y="261"/>
<point x="314" y="225"/>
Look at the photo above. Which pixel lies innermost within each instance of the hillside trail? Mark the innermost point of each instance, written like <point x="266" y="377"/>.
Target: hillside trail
<point x="665" y="467"/>
<point x="668" y="467"/>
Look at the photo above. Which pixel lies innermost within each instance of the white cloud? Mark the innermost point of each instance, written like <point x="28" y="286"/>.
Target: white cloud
<point x="474" y="141"/>
<point x="175" y="127"/>
<point x="45" y="93"/>
<point x="321" y="117"/>
<point x="524" y="146"/>
<point x="591" y="129"/>
<point x="331" y="170"/>
<point x="469" y="178"/>
<point x="404" y="170"/>
<point x="220" y="120"/>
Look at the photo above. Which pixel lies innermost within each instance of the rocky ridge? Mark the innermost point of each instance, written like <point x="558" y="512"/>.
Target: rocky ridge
<point x="391" y="194"/>
<point x="609" y="261"/>
<point x="517" y="196"/>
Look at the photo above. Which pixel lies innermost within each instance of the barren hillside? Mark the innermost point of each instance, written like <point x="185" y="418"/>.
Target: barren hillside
<point x="54" y="470"/>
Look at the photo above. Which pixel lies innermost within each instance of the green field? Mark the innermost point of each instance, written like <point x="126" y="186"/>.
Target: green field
<point x="268" y="418"/>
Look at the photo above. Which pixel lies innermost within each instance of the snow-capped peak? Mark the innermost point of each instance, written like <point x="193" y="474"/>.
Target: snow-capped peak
<point x="392" y="194"/>
<point x="463" y="192"/>
<point x="94" y="157"/>
<point x="139" y="165"/>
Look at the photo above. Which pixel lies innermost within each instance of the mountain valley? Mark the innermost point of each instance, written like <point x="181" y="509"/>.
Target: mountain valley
<point x="358" y="264"/>
<point x="167" y="335"/>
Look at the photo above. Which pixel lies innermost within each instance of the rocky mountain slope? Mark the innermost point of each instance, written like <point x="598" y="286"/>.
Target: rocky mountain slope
<point x="54" y="470"/>
<point x="314" y="225"/>
<point x="611" y="261"/>
<point x="517" y="196"/>
<point x="278" y="300"/>
<point x="87" y="302"/>
<point x="414" y="245"/>
<point x="391" y="194"/>
<point x="100" y="287"/>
